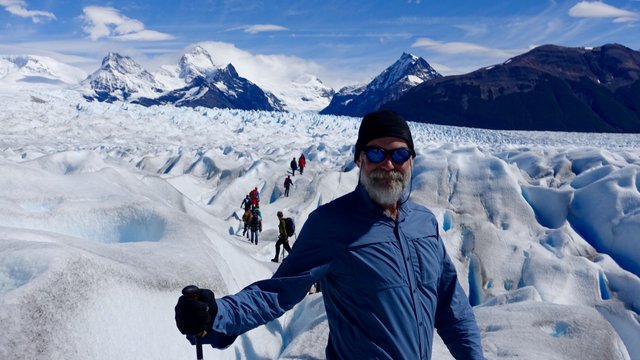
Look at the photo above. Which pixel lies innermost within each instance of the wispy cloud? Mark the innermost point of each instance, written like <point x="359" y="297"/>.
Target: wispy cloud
<point x="269" y="70"/>
<point x="259" y="28"/>
<point x="19" y="8"/>
<point x="474" y="30"/>
<point x="106" y="22"/>
<point x="598" y="9"/>
<point x="463" y="48"/>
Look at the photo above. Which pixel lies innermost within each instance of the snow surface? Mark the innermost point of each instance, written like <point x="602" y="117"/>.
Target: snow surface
<point x="108" y="210"/>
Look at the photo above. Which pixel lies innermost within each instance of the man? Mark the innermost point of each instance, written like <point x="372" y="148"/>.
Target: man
<point x="386" y="278"/>
<point x="255" y="197"/>
<point x="246" y="203"/>
<point x="283" y="237"/>
<point x="255" y="225"/>
<point x="287" y="185"/>
<point x="246" y="220"/>
<point x="302" y="161"/>
<point x="294" y="166"/>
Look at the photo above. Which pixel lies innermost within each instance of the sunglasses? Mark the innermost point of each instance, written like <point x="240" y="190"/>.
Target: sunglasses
<point x="376" y="155"/>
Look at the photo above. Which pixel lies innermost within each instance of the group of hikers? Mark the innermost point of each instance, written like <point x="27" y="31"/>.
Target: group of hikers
<point x="252" y="217"/>
<point x="295" y="165"/>
<point x="298" y="165"/>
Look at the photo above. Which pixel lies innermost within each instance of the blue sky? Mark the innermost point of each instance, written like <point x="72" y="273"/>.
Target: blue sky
<point x="341" y="41"/>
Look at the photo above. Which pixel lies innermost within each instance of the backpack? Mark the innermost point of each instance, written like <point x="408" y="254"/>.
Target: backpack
<point x="289" y="226"/>
<point x="255" y="223"/>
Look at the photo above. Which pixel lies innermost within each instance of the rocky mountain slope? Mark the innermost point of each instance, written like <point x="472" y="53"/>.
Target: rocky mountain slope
<point x="548" y="88"/>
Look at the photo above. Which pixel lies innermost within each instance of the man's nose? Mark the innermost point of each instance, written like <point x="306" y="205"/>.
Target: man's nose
<point x="387" y="164"/>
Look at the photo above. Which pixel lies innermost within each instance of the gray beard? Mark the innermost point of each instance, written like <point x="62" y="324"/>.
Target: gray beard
<point x="384" y="187"/>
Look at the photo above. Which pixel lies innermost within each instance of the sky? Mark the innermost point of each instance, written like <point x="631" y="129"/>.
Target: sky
<point x="344" y="42"/>
<point x="108" y="210"/>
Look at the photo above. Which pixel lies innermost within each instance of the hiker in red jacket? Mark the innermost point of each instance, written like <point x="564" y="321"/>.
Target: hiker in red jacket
<point x="301" y="163"/>
<point x="255" y="197"/>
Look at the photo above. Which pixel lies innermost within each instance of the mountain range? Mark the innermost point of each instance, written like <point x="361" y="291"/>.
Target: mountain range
<point x="406" y="73"/>
<point x="548" y="88"/>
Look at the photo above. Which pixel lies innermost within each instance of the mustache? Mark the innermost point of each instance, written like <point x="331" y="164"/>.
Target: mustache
<point x="393" y="175"/>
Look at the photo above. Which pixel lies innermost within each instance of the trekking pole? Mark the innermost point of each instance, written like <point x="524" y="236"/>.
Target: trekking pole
<point x="199" y="349"/>
<point x="193" y="292"/>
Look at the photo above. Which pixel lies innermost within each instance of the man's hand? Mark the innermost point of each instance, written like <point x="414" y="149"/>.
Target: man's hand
<point x="195" y="311"/>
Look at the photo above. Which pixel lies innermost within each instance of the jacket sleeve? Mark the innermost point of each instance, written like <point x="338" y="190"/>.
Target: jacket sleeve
<point x="282" y="228"/>
<point x="266" y="300"/>
<point x="455" y="321"/>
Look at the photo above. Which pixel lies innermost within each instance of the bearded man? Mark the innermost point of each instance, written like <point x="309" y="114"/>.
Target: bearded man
<point x="386" y="278"/>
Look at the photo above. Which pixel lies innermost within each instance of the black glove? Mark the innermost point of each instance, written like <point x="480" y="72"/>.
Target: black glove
<point x="195" y="311"/>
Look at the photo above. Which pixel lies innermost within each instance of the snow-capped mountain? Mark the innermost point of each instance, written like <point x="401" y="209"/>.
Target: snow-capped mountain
<point x="306" y="93"/>
<point x="197" y="62"/>
<point x="38" y="69"/>
<point x="220" y="88"/>
<point x="120" y="78"/>
<point x="345" y="95"/>
<point x="406" y="73"/>
<point x="196" y="80"/>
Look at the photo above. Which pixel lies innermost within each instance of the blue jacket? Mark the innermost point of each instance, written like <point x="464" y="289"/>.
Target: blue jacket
<point x="385" y="285"/>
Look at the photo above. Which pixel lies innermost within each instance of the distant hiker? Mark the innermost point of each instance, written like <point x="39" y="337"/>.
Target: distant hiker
<point x="301" y="163"/>
<point x="255" y="224"/>
<point x="246" y="203"/>
<point x="283" y="237"/>
<point x="287" y="184"/>
<point x="386" y="278"/>
<point x="294" y="167"/>
<point x="255" y="197"/>
<point x="246" y="219"/>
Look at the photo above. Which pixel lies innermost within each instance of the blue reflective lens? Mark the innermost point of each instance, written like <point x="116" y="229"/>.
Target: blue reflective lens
<point x="376" y="155"/>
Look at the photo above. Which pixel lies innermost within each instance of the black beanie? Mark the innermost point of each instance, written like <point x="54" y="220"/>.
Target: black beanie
<point x="379" y="124"/>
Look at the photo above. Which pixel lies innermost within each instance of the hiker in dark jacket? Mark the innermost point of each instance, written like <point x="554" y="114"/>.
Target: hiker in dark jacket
<point x="294" y="167"/>
<point x="287" y="185"/>
<point x="385" y="275"/>
<point x="246" y="203"/>
<point x="255" y="225"/>
<point x="283" y="237"/>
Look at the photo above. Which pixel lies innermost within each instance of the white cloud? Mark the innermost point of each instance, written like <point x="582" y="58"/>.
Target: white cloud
<point x="598" y="9"/>
<point x="19" y="8"/>
<point x="462" y="48"/>
<point x="271" y="71"/>
<point x="258" y="28"/>
<point x="106" y="22"/>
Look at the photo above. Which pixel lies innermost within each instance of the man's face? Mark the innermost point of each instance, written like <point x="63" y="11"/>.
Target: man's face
<point x="385" y="181"/>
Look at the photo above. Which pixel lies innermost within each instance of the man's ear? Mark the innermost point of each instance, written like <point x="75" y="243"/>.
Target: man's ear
<point x="359" y="163"/>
